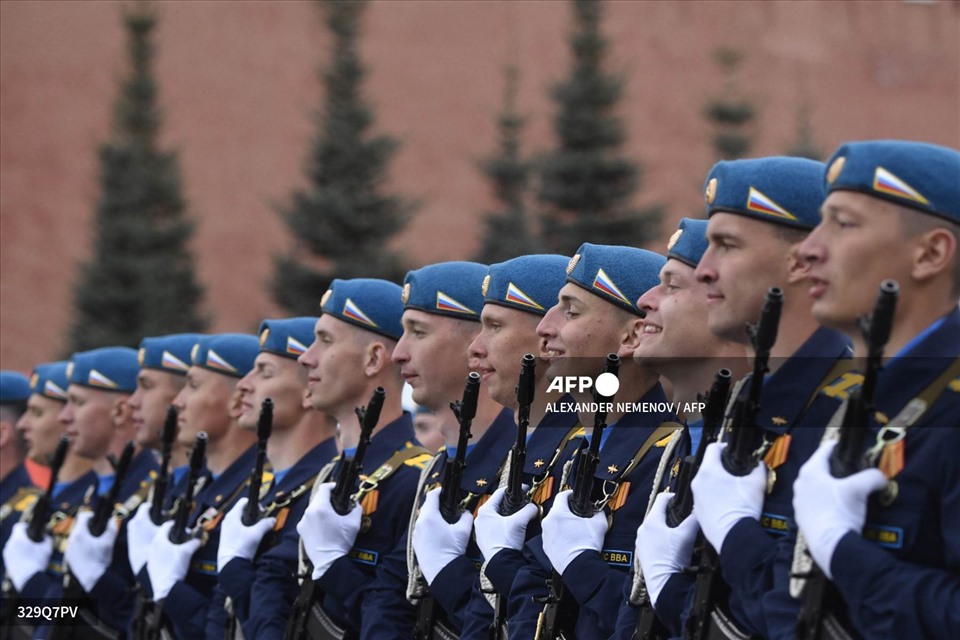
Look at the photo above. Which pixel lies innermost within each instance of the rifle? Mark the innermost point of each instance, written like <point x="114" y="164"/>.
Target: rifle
<point x="848" y="456"/>
<point x="42" y="507"/>
<point x="341" y="497"/>
<point x="739" y="458"/>
<point x="163" y="479"/>
<point x="559" y="615"/>
<point x="251" y="512"/>
<point x="178" y="533"/>
<point x="681" y="505"/>
<point x="514" y="498"/>
<point x="106" y="504"/>
<point x="465" y="410"/>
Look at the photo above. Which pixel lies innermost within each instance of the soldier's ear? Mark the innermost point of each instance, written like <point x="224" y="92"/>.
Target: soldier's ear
<point x="798" y="267"/>
<point x="630" y="339"/>
<point x="376" y="357"/>
<point x="933" y="255"/>
<point x="121" y="412"/>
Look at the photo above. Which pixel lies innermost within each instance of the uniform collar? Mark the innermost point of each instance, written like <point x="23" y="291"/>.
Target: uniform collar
<point x="17" y="479"/>
<point x="138" y="475"/>
<point x="307" y="466"/>
<point x="628" y="434"/>
<point x="227" y="482"/>
<point x="386" y="442"/>
<point x="545" y="439"/>
<point x="73" y="493"/>
<point x="484" y="461"/>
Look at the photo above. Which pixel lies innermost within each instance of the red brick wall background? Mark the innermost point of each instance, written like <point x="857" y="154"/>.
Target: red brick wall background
<point x="238" y="87"/>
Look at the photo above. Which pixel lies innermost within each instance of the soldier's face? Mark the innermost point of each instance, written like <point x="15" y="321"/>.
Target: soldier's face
<point x="149" y="403"/>
<point x="579" y="331"/>
<point x="334" y="364"/>
<point x="674" y="328"/>
<point x="744" y="259"/>
<point x="41" y="427"/>
<point x="88" y="420"/>
<point x="858" y="244"/>
<point x="505" y="336"/>
<point x="203" y="405"/>
<point x="433" y="357"/>
<point x="278" y="378"/>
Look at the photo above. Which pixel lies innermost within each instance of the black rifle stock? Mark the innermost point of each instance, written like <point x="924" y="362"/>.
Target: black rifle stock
<point x="160" y="485"/>
<point x="106" y="504"/>
<point x="848" y="455"/>
<point x="341" y="498"/>
<point x="559" y="615"/>
<point x="178" y="532"/>
<point x="44" y="504"/>
<point x="746" y="437"/>
<point x="251" y="512"/>
<point x="465" y="410"/>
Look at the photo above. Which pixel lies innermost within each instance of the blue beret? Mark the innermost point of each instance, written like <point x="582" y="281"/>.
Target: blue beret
<point x="14" y="387"/>
<point x="922" y="176"/>
<point x="367" y="303"/>
<point x="107" y="369"/>
<point x="527" y="283"/>
<point x="787" y="191"/>
<point x="231" y="354"/>
<point x="689" y="242"/>
<point x="289" y="338"/>
<point x="617" y="274"/>
<point x="453" y="289"/>
<point x="168" y="353"/>
<point x="50" y="380"/>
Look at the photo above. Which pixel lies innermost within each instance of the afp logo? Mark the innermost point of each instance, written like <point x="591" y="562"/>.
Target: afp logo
<point x="607" y="384"/>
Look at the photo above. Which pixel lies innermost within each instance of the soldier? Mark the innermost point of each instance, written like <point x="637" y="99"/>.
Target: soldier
<point x="676" y="343"/>
<point x="15" y="483"/>
<point x="596" y="315"/>
<point x="517" y="293"/>
<point x="348" y="583"/>
<point x="892" y="211"/>
<point x="182" y="576"/>
<point x="257" y="564"/>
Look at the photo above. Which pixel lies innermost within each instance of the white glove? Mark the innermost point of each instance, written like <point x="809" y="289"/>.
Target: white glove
<point x="327" y="536"/>
<point x="168" y="562"/>
<point x="664" y="551"/>
<point x="436" y="542"/>
<point x="23" y="558"/>
<point x="721" y="499"/>
<point x="566" y="535"/>
<point x="87" y="555"/>
<point x="495" y="532"/>
<point x="826" y="508"/>
<point x="140" y="533"/>
<point x="238" y="540"/>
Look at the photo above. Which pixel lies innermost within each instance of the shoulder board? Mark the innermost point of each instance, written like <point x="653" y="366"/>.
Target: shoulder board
<point x="955" y="385"/>
<point x="420" y="462"/>
<point x="662" y="442"/>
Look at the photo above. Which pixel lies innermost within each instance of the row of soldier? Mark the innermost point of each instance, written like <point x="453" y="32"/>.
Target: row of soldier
<point x="544" y="515"/>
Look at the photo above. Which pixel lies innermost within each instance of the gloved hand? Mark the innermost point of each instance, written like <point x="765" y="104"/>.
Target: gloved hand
<point x="495" y="532"/>
<point x="721" y="499"/>
<point x="140" y="533"/>
<point x="87" y="555"/>
<point x="436" y="542"/>
<point x="23" y="558"/>
<point x="664" y="551"/>
<point x="168" y="562"/>
<point x="826" y="508"/>
<point x="566" y="535"/>
<point x="326" y="534"/>
<point x="238" y="540"/>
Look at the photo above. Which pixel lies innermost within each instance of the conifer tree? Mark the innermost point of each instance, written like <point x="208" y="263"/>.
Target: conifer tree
<point x="342" y="221"/>
<point x="731" y="114"/>
<point x="586" y="184"/>
<point x="140" y="280"/>
<point x="507" y="231"/>
<point x="805" y="146"/>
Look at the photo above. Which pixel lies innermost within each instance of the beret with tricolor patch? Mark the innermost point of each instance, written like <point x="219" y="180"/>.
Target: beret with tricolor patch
<point x="689" y="242"/>
<point x="14" y="387"/>
<point x="453" y="289"/>
<point x="289" y="337"/>
<point x="168" y="353"/>
<point x="231" y="354"/>
<point x="527" y="283"/>
<point x="50" y="380"/>
<point x="918" y="175"/>
<point x="617" y="274"/>
<point x="781" y="190"/>
<point x="107" y="369"/>
<point x="368" y="303"/>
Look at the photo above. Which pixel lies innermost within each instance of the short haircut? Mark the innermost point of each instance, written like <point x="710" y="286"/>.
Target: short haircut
<point x="916" y="223"/>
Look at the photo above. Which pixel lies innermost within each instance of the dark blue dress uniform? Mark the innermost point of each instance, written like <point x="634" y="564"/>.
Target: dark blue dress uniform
<point x="900" y="578"/>
<point x="551" y="444"/>
<point x="190" y="601"/>
<point x="262" y="592"/>
<point x="359" y="593"/>
<point x="596" y="579"/>
<point x="17" y="492"/>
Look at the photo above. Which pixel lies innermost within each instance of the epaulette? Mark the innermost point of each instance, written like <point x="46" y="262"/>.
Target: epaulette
<point x="662" y="442"/>
<point x="419" y="462"/>
<point x="23" y="499"/>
